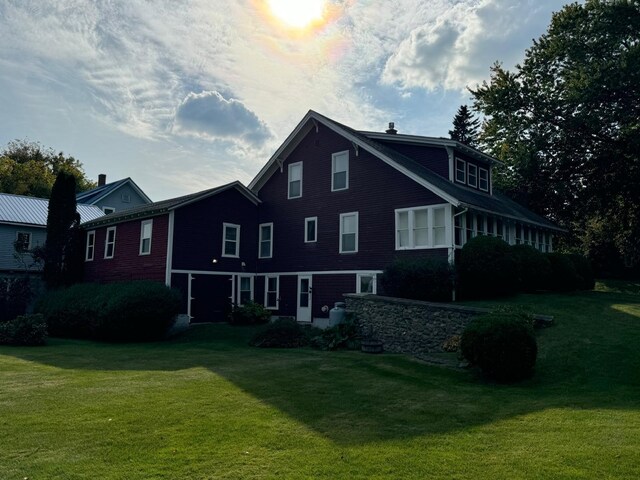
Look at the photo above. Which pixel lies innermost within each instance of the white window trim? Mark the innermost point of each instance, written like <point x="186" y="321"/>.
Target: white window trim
<point x="349" y="214"/>
<point x="142" y="224"/>
<point x="224" y="231"/>
<point x="266" y="290"/>
<point x="464" y="170"/>
<point x="469" y="166"/>
<point x="30" y="239"/>
<point x="90" y="234"/>
<point x="106" y="242"/>
<point x="260" y="240"/>
<point x="448" y="226"/>
<point x="306" y="221"/>
<point x="375" y="282"/>
<point x="333" y="170"/>
<point x="289" y="197"/>
<point x="105" y="208"/>
<point x="480" y="170"/>
<point x="240" y="277"/>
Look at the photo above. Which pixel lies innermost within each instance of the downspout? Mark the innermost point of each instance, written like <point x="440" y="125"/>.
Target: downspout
<point x="452" y="260"/>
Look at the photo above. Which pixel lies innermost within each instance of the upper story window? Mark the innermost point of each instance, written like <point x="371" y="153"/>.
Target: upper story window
<point x="146" y="228"/>
<point x="295" y="180"/>
<point x="91" y="246"/>
<point x="266" y="240"/>
<point x="421" y="227"/>
<point x="311" y="229"/>
<point x="108" y="210"/>
<point x="23" y="242"/>
<point x="110" y="243"/>
<point x="230" y="240"/>
<point x="472" y="175"/>
<point x="340" y="171"/>
<point x="483" y="179"/>
<point x="349" y="232"/>
<point x="461" y="171"/>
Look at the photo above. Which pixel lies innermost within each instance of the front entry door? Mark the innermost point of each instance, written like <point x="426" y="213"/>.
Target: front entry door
<point x="304" y="299"/>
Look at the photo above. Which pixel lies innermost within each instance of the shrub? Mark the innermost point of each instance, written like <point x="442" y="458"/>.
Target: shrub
<point x="420" y="279"/>
<point x="502" y="345"/>
<point x="250" y="313"/>
<point x="282" y="333"/>
<point x="486" y="268"/>
<point x="564" y="277"/>
<point x="533" y="268"/>
<point x="343" y="335"/>
<point x="128" y="311"/>
<point x="24" y="330"/>
<point x="582" y="265"/>
<point x="15" y="293"/>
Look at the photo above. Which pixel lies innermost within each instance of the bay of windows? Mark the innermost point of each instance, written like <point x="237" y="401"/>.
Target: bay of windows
<point x="421" y="227"/>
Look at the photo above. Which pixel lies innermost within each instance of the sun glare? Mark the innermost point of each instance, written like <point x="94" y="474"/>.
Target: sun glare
<point x="297" y="13"/>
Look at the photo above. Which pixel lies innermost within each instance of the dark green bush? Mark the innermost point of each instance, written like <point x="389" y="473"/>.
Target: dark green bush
<point x="533" y="268"/>
<point x="344" y="335"/>
<point x="128" y="311"/>
<point x="502" y="345"/>
<point x="281" y="333"/>
<point x="564" y="277"/>
<point x="582" y="265"/>
<point x="486" y="268"/>
<point x="419" y="279"/>
<point x="250" y="313"/>
<point x="15" y="293"/>
<point x="24" y="330"/>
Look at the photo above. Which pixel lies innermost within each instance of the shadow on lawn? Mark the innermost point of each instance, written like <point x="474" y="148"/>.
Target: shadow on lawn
<point x="586" y="361"/>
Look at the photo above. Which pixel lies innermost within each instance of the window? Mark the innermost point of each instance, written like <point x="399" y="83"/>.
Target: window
<point x="23" y="242"/>
<point x="311" y="229"/>
<point x="349" y="232"/>
<point x="469" y="225"/>
<point x="484" y="179"/>
<point x="246" y="290"/>
<point x="340" y="171"/>
<point x="108" y="210"/>
<point x="421" y="227"/>
<point x="271" y="293"/>
<point x="91" y="246"/>
<point x="295" y="180"/>
<point x="126" y="198"/>
<point x="366" y="283"/>
<point x="145" y="237"/>
<point x="500" y="228"/>
<point x="472" y="175"/>
<point x="461" y="174"/>
<point x="230" y="240"/>
<point x="266" y="240"/>
<point x="459" y="230"/>
<point x="110" y="243"/>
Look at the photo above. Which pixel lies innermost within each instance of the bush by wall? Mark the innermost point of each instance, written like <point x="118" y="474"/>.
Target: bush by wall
<point x="344" y="335"/>
<point x="564" y="277"/>
<point x="582" y="265"/>
<point x="24" y="330"/>
<point x="533" y="268"/>
<point x="503" y="345"/>
<point x="420" y="279"/>
<point x="128" y="311"/>
<point x="251" y="313"/>
<point x="486" y="268"/>
<point x="282" y="333"/>
<point x="15" y="293"/>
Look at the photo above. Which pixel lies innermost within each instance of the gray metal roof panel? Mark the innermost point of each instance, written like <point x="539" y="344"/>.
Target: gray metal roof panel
<point x="34" y="211"/>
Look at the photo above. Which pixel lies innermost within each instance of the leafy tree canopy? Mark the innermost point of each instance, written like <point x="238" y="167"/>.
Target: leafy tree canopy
<point x="465" y="127"/>
<point x="566" y="123"/>
<point x="27" y="168"/>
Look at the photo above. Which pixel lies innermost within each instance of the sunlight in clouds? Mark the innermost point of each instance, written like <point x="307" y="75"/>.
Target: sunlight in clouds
<point x="297" y="13"/>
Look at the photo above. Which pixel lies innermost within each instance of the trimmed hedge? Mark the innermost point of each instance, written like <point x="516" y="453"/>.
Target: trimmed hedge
<point x="251" y="313"/>
<point x="420" y="279"/>
<point x="533" y="268"/>
<point x="582" y="265"/>
<point x="503" y="345"/>
<point x="15" y="294"/>
<point x="116" y="312"/>
<point x="486" y="268"/>
<point x="282" y="333"/>
<point x="564" y="277"/>
<point x="24" y="330"/>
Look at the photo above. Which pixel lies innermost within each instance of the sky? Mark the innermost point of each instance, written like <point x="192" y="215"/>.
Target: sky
<point x="182" y="96"/>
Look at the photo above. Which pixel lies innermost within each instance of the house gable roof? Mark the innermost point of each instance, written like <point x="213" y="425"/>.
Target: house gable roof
<point x="96" y="194"/>
<point x="455" y="194"/>
<point x="32" y="211"/>
<point x="164" y="206"/>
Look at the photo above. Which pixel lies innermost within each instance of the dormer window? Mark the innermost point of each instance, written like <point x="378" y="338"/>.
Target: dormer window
<point x="295" y="180"/>
<point x="483" y="179"/>
<point x="472" y="175"/>
<point x="461" y="172"/>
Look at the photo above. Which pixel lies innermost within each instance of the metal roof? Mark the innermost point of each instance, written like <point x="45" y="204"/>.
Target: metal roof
<point x="96" y="194"/>
<point x="33" y="211"/>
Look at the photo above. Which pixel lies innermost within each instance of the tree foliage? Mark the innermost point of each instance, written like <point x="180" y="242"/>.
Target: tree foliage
<point x="27" y="168"/>
<point x="566" y="123"/>
<point x="465" y="127"/>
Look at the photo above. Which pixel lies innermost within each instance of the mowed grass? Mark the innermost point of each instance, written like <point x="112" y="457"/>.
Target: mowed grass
<point x="206" y="405"/>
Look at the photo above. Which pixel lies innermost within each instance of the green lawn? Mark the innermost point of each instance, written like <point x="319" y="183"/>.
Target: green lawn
<point x="207" y="406"/>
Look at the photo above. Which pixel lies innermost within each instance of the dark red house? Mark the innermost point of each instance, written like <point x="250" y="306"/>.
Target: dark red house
<point x="330" y="209"/>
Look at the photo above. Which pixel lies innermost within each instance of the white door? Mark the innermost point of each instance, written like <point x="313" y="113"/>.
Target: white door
<point x="304" y="299"/>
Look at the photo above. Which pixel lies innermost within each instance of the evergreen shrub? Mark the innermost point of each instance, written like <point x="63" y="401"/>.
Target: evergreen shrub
<point x="251" y="313"/>
<point x="24" y="330"/>
<point x="533" y="268"/>
<point x="582" y="265"/>
<point x="564" y="277"/>
<point x="281" y="333"/>
<point x="420" y="279"/>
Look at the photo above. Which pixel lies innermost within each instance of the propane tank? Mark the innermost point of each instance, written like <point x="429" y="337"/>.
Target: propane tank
<point x="337" y="313"/>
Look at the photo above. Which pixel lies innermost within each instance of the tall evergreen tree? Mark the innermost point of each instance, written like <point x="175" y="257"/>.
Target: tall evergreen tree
<point x="465" y="127"/>
<point x="62" y="222"/>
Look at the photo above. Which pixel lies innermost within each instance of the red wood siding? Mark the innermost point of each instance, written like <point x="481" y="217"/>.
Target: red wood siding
<point x="127" y="263"/>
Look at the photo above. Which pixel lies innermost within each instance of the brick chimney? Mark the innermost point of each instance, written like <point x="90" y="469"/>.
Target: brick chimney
<point x="391" y="130"/>
<point x="102" y="179"/>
